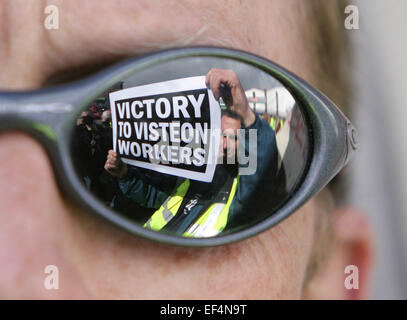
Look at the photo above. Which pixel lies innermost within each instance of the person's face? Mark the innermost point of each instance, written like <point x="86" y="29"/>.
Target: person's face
<point x="229" y="143"/>
<point x="40" y="227"/>
<point x="106" y="116"/>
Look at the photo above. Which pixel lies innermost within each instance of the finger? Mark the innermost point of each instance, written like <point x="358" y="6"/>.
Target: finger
<point x="210" y="73"/>
<point x="112" y="163"/>
<point x="113" y="157"/>
<point x="207" y="77"/>
<point x="109" y="165"/>
<point x="215" y="85"/>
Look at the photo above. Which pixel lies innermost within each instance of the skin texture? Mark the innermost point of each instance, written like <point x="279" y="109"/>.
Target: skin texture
<point x="229" y="143"/>
<point x="39" y="227"/>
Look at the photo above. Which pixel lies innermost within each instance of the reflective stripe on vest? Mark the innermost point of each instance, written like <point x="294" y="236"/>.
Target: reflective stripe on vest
<point x="274" y="123"/>
<point x="168" y="209"/>
<point x="214" y="220"/>
<point x="211" y="222"/>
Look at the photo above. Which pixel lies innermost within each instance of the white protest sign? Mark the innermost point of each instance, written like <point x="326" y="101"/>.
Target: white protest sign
<point x="172" y="127"/>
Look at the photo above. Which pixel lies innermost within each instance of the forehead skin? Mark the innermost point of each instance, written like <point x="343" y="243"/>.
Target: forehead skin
<point x="230" y="124"/>
<point x="39" y="227"/>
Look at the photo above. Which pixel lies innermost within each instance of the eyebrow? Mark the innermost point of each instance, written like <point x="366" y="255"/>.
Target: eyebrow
<point x="78" y="71"/>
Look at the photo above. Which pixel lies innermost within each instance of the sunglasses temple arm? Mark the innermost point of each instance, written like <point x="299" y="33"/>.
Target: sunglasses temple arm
<point x="333" y="135"/>
<point x="46" y="108"/>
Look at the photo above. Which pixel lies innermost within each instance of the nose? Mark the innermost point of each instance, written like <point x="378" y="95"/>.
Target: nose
<point x="35" y="225"/>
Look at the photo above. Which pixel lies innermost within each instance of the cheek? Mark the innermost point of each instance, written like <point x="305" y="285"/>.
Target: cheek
<point x="34" y="224"/>
<point x="269" y="266"/>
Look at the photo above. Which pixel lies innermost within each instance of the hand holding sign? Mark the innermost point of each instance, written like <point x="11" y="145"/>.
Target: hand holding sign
<point x="115" y="166"/>
<point x="238" y="104"/>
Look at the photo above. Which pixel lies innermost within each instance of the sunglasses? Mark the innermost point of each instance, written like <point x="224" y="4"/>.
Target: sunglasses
<point x="196" y="146"/>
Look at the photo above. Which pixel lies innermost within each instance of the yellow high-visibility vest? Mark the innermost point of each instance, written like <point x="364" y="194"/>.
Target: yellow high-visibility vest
<point x="274" y="123"/>
<point x="209" y="224"/>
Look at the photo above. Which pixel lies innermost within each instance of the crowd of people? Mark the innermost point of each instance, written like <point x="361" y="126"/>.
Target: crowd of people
<point x="91" y="141"/>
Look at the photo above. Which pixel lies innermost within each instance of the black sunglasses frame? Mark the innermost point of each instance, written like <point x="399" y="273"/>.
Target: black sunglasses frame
<point x="50" y="115"/>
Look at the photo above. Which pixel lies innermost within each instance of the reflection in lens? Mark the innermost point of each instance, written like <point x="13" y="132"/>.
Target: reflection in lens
<point x="203" y="146"/>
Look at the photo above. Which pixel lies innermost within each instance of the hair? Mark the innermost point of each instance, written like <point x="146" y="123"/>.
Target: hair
<point x="331" y="48"/>
<point x="330" y="56"/>
<point x="231" y="114"/>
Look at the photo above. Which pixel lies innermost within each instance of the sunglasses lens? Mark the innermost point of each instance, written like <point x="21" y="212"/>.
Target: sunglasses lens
<point x="195" y="146"/>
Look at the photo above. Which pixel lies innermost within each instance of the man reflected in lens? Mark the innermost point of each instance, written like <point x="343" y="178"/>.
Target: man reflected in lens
<point x="199" y="209"/>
